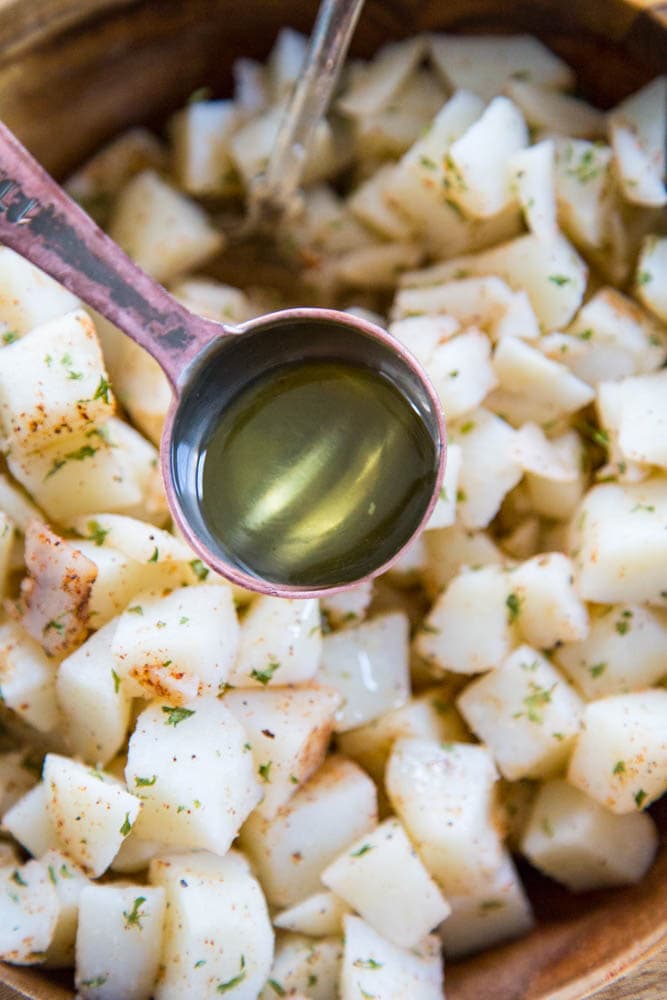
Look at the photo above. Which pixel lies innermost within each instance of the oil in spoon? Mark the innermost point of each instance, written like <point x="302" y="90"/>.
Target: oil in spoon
<point x="316" y="473"/>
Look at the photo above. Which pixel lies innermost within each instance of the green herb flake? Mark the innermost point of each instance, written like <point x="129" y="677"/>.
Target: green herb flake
<point x="96" y="533"/>
<point x="176" y="715"/>
<point x="277" y="988"/>
<point x="619" y="767"/>
<point x="367" y="963"/>
<point x="364" y="849"/>
<point x="264" y="676"/>
<point x="52" y="874"/>
<point x="513" y="604"/>
<point x="488" y="905"/>
<point x="648" y="507"/>
<point x="640" y="797"/>
<point x="145" y="782"/>
<point x="429" y="629"/>
<point x="644" y="277"/>
<point x="136" y="914"/>
<point x="103" y="390"/>
<point x="136" y="609"/>
<point x="198" y="965"/>
<point x="231" y="983"/>
<point x="293" y="778"/>
<point x="585" y="335"/>
<point x="156" y="555"/>
<point x="55" y="625"/>
<point x="428" y="163"/>
<point x="535" y="702"/>
<point x="97" y="981"/>
<point x="75" y="376"/>
<point x="264" y="771"/>
<point x="65" y="872"/>
<point x="9" y="336"/>
<point x="16" y="877"/>
<point x="312" y="979"/>
<point x="468" y="426"/>
<point x="199" y="570"/>
<point x="85" y="451"/>
<point x="597" y="669"/>
<point x="116" y="681"/>
<point x="127" y="826"/>
<point x="559" y="280"/>
<point x="183" y="620"/>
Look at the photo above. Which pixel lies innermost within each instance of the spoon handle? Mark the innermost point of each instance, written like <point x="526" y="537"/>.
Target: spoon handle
<point x="44" y="225"/>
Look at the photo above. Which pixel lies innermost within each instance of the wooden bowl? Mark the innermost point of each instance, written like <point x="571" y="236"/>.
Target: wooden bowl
<point x="73" y="73"/>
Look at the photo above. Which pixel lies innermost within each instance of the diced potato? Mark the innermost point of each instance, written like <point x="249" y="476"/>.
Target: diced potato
<point x="28" y="297"/>
<point x="28" y="913"/>
<point x="118" y="578"/>
<point x="252" y="144"/>
<point x="280" y="643"/>
<point x="584" y="190"/>
<point x="377" y="266"/>
<point x="381" y="80"/>
<point x="443" y="794"/>
<point x="391" y="132"/>
<point x="94" y="705"/>
<point x="497" y="911"/>
<point x="368" y="204"/>
<point x="637" y="127"/>
<point x="488" y="468"/>
<point x="620" y="759"/>
<point x="618" y="543"/>
<point x="375" y="967"/>
<point x="602" y="664"/>
<point x="514" y="805"/>
<point x="250" y="85"/>
<point x="486" y="63"/>
<point x="163" y="231"/>
<point x="555" y="477"/>
<point x="17" y="777"/>
<point x="451" y="549"/>
<point x="200" y="136"/>
<point x="348" y="607"/>
<point x="642" y="418"/>
<point x="27" y="678"/>
<point x="53" y="384"/>
<point x="139" y="541"/>
<point x="217" y="935"/>
<point x="15" y="504"/>
<point x="383" y="880"/>
<point x="143" y="389"/>
<point x="547" y="608"/>
<point x="331" y="811"/>
<point x="285" y="61"/>
<point x="533" y="178"/>
<point x="213" y="300"/>
<point x="651" y="276"/>
<point x="444" y="512"/>
<point x="462" y="373"/>
<point x="69" y="881"/>
<point x="202" y="802"/>
<point x="526" y="713"/>
<point x="318" y="915"/>
<point x="447" y="639"/>
<point x="301" y="964"/>
<point x="119" y="940"/>
<point x="547" y="388"/>
<point x="90" y="811"/>
<point x="551" y="111"/>
<point x="289" y="732"/>
<point x="576" y="841"/>
<point x="29" y="822"/>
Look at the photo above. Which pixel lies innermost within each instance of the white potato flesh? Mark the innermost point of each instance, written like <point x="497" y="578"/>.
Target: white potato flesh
<point x="27" y="678"/>
<point x="477" y="171"/>
<point x="69" y="881"/>
<point x="285" y="61"/>
<point x="447" y="639"/>
<point x="17" y="777"/>
<point x="368" y="666"/>
<point x="29" y="821"/>
<point x="555" y="490"/>
<point x="374" y="87"/>
<point x="28" y="297"/>
<point x="382" y="878"/>
<point x="651" y="276"/>
<point x="213" y="300"/>
<point x="369" y="205"/>
<point x="28" y="913"/>
<point x="289" y="732"/>
<point x="16" y="505"/>
<point x="462" y="373"/>
<point x="53" y="384"/>
<point x="118" y="578"/>
<point x="642" y="420"/>
<point x="118" y="941"/>
<point x="142" y="388"/>
<point x="202" y="802"/>
<point x="280" y="643"/>
<point x="549" y="610"/>
<point x="349" y="607"/>
<point x="551" y="111"/>
<point x="217" y="933"/>
<point x="373" y="966"/>
<point x="547" y="387"/>
<point x="318" y="915"/>
<point x="583" y="185"/>
<point x="251" y="145"/>
<point x="449" y="550"/>
<point x="578" y="842"/>
<point x="618" y="542"/>
<point x="488" y="468"/>
<point x="305" y="968"/>
<point x="200" y="136"/>
<point x="637" y="128"/>
<point x="444" y="795"/>
<point x="333" y="809"/>
<point x="526" y="713"/>
<point x="377" y="266"/>
<point x="134" y="538"/>
<point x="102" y="175"/>
<point x="444" y="512"/>
<point x="620" y="759"/>
<point x="90" y="811"/>
<point x="391" y="132"/>
<point x="485" y="63"/>
<point x="533" y="178"/>
<point x="498" y="911"/>
<point x="604" y="664"/>
<point x="162" y="230"/>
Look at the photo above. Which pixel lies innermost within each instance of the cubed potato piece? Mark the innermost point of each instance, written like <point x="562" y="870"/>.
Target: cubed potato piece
<point x="548" y="389"/>
<point x="554" y="471"/>
<point x="576" y="841"/>
<point x="551" y="111"/>
<point x="134" y="538"/>
<point x="469" y="628"/>
<point x="162" y="230"/>
<point x="285" y="62"/>
<point x="637" y="128"/>
<point x="377" y="266"/>
<point x="28" y="913"/>
<point x="348" y="607"/>
<point x="488" y="468"/>
<point x="200" y="136"/>
<point x="449" y="550"/>
<point x="432" y="715"/>
<point x="143" y="389"/>
<point x="53" y="384"/>
<point x="16" y="505"/>
<point x="651" y="276"/>
<point x="618" y="542"/>
<point x="280" y="643"/>
<point x="17" y="776"/>
<point x="368" y="204"/>
<point x="318" y="915"/>
<point x="368" y="666"/>
<point x="443" y="794"/>
<point x="485" y="63"/>
<point x="118" y="941"/>
<point x="29" y="821"/>
<point x="390" y="133"/>
<point x="251" y="146"/>
<point x="444" y="513"/>
<point x="217" y="934"/>
<point x="69" y="881"/>
<point x="91" y="812"/>
<point x="642" y="418"/>
<point x="620" y="759"/>
<point x="119" y="578"/>
<point x="331" y="811"/>
<point x="384" y="881"/>
<point x="477" y="172"/>
<point x="94" y="706"/>
<point x="533" y="179"/>
<point x="203" y="802"/>
<point x="526" y="712"/>
<point x="462" y="373"/>
<point x="213" y="300"/>
<point x="624" y="651"/>
<point x="583" y="183"/>
<point x="495" y="912"/>
<point x="373" y="88"/>
<point x="28" y="297"/>
<point x="373" y="966"/>
<point x="547" y="608"/>
<point x="289" y="732"/>
<point x="303" y="968"/>
<point x="27" y="678"/>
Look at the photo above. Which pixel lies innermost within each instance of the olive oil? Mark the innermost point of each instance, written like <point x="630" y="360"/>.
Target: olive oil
<point x="316" y="473"/>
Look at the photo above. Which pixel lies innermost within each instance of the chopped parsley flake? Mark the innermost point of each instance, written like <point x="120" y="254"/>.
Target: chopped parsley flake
<point x="513" y="604"/>
<point x="127" y="826"/>
<point x="96" y="533"/>
<point x="640" y="796"/>
<point x="597" y="669"/>
<point x="619" y="767"/>
<point x="103" y="389"/>
<point x="176" y="715"/>
<point x="145" y="782"/>
<point x="97" y="981"/>
<point x="277" y="988"/>
<point x="136" y="609"/>
<point x="559" y="279"/>
<point x="364" y="849"/>
<point x="535" y="702"/>
<point x="9" y="336"/>
<point x="155" y="556"/>
<point x="199" y="570"/>
<point x="264" y="771"/>
<point x="264" y="676"/>
<point x="134" y="917"/>
<point x="367" y="963"/>
<point x="231" y="983"/>
<point x="116" y="681"/>
<point x="16" y="877"/>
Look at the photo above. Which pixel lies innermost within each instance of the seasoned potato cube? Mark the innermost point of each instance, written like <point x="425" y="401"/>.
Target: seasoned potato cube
<point x="142" y="388"/>
<point x="554" y="472"/>
<point x="383" y="880"/>
<point x="200" y="136"/>
<point x="202" y="802"/>
<point x="462" y="373"/>
<point x="16" y="505"/>
<point x="547" y="608"/>
<point x="285" y="62"/>
<point x="532" y="176"/>
<point x="317" y="916"/>
<point x="348" y="607"/>
<point x="304" y="968"/>
<point x="331" y="811"/>
<point x="69" y="881"/>
<point x="637" y="128"/>
<point x="119" y="941"/>
<point x="27" y="678"/>
<point x="583" y="190"/>
<point x="443" y="794"/>
<point x="369" y="204"/>
<point x="29" y="822"/>
<point x="449" y="550"/>
<point x="28" y="913"/>
<point x="391" y="132"/>
<point x="374" y="87"/>
<point x="551" y="111"/>
<point x="28" y="297"/>
<point x="118" y="578"/>
<point x="280" y="643"/>
<point x="444" y="512"/>
<point x="642" y="418"/>
<point x="91" y="812"/>
<point x="651" y="276"/>
<point x="576" y="841"/>
<point x="139" y="541"/>
<point x="620" y="759"/>
<point x="547" y="388"/>
<point x="376" y="967"/>
<point x="526" y="712"/>
<point x="488" y="468"/>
